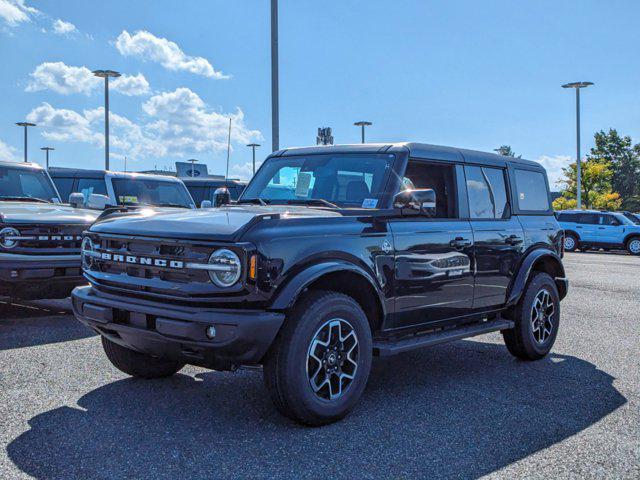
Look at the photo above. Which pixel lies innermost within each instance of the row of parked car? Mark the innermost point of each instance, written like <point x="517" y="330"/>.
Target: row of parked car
<point x="43" y="215"/>
<point x="592" y="229"/>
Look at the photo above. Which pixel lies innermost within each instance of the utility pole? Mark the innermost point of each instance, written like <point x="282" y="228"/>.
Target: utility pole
<point x="362" y="124"/>
<point x="26" y="125"/>
<point x="275" y="101"/>
<point x="253" y="146"/>
<point x="106" y="74"/>
<point x="226" y="176"/>
<point x="47" y="150"/>
<point x="578" y="86"/>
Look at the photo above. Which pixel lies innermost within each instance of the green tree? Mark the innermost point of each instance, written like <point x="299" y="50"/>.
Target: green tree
<point x="624" y="159"/>
<point x="506" y="150"/>
<point x="596" y="184"/>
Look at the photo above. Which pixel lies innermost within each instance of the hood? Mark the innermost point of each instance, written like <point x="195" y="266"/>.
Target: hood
<point x="225" y="223"/>
<point x="16" y="213"/>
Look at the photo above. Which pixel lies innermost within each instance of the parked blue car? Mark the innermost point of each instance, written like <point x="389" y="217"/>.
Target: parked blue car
<point x="585" y="229"/>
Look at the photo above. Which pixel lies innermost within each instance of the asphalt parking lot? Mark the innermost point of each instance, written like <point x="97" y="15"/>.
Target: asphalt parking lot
<point x="462" y="410"/>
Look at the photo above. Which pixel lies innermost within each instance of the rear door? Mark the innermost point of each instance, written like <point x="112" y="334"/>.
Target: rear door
<point x="610" y="230"/>
<point x="433" y="279"/>
<point x="498" y="235"/>
<point x="587" y="227"/>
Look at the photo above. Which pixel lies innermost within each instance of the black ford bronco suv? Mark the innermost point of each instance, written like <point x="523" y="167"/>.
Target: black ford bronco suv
<point x="331" y="255"/>
<point x="39" y="237"/>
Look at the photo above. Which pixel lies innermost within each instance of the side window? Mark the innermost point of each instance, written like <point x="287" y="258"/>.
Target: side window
<point x="87" y="186"/>
<point x="438" y="177"/>
<point x="487" y="192"/>
<point x="588" y="219"/>
<point x="65" y="187"/>
<point x="532" y="191"/>
<point x="609" y="220"/>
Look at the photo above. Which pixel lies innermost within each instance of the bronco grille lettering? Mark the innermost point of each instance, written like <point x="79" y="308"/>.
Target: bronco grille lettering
<point x="156" y="262"/>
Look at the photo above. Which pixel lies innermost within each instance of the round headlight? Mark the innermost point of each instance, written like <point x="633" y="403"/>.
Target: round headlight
<point x="87" y="248"/>
<point x="6" y="237"/>
<point x="225" y="267"/>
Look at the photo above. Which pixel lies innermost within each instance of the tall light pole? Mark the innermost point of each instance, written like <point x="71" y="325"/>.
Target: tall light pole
<point x="47" y="150"/>
<point x="25" y="125"/>
<point x="362" y="124"/>
<point x="253" y="146"/>
<point x="577" y="86"/>
<point x="106" y="74"/>
<point x="275" y="108"/>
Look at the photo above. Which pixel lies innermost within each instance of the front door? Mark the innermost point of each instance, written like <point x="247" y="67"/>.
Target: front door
<point x="498" y="237"/>
<point x="433" y="278"/>
<point x="587" y="227"/>
<point x="610" y="229"/>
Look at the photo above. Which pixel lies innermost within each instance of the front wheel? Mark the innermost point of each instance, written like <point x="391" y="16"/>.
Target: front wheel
<point x="633" y="246"/>
<point x="318" y="368"/>
<point x="536" y="318"/>
<point x="570" y="243"/>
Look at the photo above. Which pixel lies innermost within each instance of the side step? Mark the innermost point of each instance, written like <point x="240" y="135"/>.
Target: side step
<point x="384" y="348"/>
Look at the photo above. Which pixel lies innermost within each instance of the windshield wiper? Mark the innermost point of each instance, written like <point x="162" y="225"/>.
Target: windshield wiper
<point x="24" y="199"/>
<point x="254" y="200"/>
<point x="312" y="201"/>
<point x="172" y="205"/>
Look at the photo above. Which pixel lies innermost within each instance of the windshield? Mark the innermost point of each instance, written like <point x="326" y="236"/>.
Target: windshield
<point x="138" y="191"/>
<point x="343" y="180"/>
<point x="26" y="184"/>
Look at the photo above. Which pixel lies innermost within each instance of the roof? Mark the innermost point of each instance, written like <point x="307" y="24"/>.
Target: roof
<point x="57" y="172"/>
<point x="421" y="150"/>
<point x="211" y="181"/>
<point x="28" y="165"/>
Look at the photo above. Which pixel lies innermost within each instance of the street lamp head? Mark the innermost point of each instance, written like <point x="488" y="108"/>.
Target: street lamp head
<point x="577" y="85"/>
<point x="47" y="148"/>
<point x="106" y="73"/>
<point x="25" y="124"/>
<point x="363" y="124"/>
<point x="253" y="145"/>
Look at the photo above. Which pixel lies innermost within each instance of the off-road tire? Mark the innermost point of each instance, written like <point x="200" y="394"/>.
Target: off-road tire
<point x="138" y="364"/>
<point x="632" y="246"/>
<point x="520" y="340"/>
<point x="285" y="366"/>
<point x="575" y="242"/>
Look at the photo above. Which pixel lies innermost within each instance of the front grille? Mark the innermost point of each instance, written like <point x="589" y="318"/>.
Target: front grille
<point x="49" y="240"/>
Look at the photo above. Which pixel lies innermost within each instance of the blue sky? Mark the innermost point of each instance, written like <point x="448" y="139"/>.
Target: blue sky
<point x="468" y="73"/>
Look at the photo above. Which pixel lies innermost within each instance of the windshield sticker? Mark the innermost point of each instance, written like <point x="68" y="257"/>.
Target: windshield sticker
<point x="302" y="185"/>
<point x="128" y="199"/>
<point x="370" y="203"/>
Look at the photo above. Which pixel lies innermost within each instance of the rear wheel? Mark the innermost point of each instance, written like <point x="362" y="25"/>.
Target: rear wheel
<point x="570" y="243"/>
<point x="139" y="364"/>
<point x="633" y="246"/>
<point x="318" y="368"/>
<point x="537" y="318"/>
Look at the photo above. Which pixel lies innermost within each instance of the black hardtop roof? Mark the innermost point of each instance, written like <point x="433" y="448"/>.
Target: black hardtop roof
<point x="420" y="150"/>
<point x="76" y="172"/>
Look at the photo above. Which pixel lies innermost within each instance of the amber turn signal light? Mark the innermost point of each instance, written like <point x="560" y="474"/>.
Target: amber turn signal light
<point x="253" y="268"/>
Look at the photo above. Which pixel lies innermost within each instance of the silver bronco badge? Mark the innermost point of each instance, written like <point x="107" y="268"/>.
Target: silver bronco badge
<point x="147" y="261"/>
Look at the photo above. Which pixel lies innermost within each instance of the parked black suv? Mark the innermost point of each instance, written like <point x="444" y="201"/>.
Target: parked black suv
<point x="332" y="255"/>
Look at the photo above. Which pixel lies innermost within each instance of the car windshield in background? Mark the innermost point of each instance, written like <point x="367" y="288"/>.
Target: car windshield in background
<point x="25" y="184"/>
<point x="151" y="192"/>
<point x="349" y="180"/>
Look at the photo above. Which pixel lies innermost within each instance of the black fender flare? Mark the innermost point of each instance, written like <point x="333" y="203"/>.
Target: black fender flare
<point x="556" y="268"/>
<point x="572" y="232"/>
<point x="287" y="295"/>
<point x="629" y="237"/>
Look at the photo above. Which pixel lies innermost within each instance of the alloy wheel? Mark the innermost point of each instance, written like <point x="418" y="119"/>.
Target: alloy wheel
<point x="542" y="313"/>
<point x="569" y="243"/>
<point x="634" y="246"/>
<point x="332" y="359"/>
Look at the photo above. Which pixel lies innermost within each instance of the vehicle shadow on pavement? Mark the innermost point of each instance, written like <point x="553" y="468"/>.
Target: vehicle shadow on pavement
<point x="32" y="326"/>
<point x="460" y="410"/>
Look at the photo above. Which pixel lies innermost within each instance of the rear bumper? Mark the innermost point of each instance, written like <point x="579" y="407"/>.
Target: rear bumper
<point x="242" y="336"/>
<point x="39" y="276"/>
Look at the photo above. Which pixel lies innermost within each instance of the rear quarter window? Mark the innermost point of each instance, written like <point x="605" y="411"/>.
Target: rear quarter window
<point x="531" y="191"/>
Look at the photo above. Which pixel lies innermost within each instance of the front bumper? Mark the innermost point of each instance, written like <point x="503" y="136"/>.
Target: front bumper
<point x="39" y="276"/>
<point x="242" y="336"/>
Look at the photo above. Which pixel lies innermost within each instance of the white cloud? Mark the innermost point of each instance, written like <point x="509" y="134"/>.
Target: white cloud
<point x="178" y="124"/>
<point x="14" y="12"/>
<point x="147" y="46"/>
<point x="7" y="152"/>
<point x="131" y="85"/>
<point x="554" y="165"/>
<point x="61" y="27"/>
<point x="67" y="79"/>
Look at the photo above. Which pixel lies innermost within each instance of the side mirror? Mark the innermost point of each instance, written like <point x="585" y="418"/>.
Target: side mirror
<point x="98" y="201"/>
<point x="416" y="202"/>
<point x="221" y="197"/>
<point x="76" y="200"/>
<point x="206" y="204"/>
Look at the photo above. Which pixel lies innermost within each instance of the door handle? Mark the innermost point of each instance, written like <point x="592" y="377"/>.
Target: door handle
<point x="600" y="228"/>
<point x="578" y="226"/>
<point x="513" y="240"/>
<point x="460" y="242"/>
